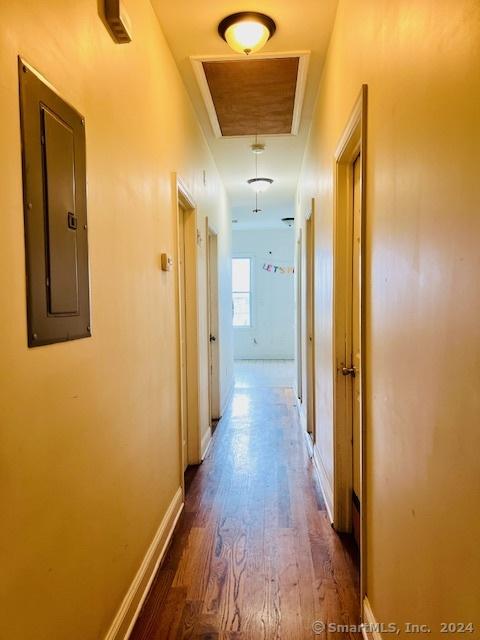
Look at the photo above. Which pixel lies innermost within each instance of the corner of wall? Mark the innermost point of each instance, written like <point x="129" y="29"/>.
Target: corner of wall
<point x="129" y="610"/>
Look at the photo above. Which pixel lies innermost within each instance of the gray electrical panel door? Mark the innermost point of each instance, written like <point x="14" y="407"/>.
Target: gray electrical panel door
<point x="54" y="186"/>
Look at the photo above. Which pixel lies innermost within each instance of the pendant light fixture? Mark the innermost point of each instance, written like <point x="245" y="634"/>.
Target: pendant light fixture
<point x="259" y="185"/>
<point x="247" y="32"/>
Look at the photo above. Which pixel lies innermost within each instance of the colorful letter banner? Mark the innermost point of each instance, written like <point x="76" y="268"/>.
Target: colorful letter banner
<point x="275" y="268"/>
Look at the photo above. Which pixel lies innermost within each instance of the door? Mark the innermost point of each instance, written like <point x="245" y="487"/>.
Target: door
<point x="183" y="335"/>
<point x="213" y="342"/>
<point x="310" y="300"/>
<point x="348" y="333"/>
<point x="356" y="346"/>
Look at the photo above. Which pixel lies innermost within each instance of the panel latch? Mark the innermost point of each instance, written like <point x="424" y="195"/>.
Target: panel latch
<point x="72" y="221"/>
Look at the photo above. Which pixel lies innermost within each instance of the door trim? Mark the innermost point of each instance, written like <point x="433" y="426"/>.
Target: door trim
<point x="351" y="144"/>
<point x="299" y="315"/>
<point x="310" y="320"/>
<point x="185" y="205"/>
<point x="213" y="324"/>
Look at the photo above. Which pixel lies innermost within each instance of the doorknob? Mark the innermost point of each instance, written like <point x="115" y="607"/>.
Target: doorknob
<point x="348" y="371"/>
<point x="212" y="338"/>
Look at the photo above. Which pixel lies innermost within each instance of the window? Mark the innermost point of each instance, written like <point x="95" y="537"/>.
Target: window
<point x="242" y="293"/>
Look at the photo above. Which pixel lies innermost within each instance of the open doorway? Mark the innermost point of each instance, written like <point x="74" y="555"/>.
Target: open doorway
<point x="264" y="306"/>
<point x="349" y="374"/>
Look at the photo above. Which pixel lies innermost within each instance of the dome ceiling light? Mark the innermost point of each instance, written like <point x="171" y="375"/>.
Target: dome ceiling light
<point x="247" y="32"/>
<point x="260" y="185"/>
<point x="258" y="148"/>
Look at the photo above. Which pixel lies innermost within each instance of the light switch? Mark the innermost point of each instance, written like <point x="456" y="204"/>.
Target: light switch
<point x="167" y="262"/>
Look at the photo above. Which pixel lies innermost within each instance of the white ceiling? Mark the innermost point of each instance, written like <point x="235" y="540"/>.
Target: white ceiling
<point x="190" y="27"/>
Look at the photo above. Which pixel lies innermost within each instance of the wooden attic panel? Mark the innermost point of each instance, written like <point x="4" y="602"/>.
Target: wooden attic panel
<point x="253" y="96"/>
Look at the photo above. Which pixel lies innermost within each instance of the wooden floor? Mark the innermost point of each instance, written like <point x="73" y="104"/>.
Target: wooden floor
<point x="264" y="373"/>
<point x="253" y="556"/>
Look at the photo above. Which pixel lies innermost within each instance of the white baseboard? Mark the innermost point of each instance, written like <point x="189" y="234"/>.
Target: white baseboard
<point x="301" y="413"/>
<point x="370" y="626"/>
<point x="227" y="396"/>
<point x="325" y="485"/>
<point x="127" y="614"/>
<point x="205" y="444"/>
<point x="303" y="426"/>
<point x="255" y="357"/>
<point x="309" y="441"/>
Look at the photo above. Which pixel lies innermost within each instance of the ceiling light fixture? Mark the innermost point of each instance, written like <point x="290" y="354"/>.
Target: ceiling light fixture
<point x="247" y="32"/>
<point x="260" y="185"/>
<point x="257" y="148"/>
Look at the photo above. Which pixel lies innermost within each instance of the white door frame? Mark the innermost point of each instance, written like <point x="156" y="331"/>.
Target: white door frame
<point x="184" y="205"/>
<point x="351" y="144"/>
<point x="310" y="319"/>
<point x="299" y="315"/>
<point x="213" y="323"/>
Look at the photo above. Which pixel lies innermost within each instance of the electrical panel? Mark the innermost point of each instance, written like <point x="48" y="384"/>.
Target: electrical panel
<point x="55" y="210"/>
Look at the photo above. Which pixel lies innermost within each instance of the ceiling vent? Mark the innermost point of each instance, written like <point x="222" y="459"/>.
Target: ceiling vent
<point x="260" y="95"/>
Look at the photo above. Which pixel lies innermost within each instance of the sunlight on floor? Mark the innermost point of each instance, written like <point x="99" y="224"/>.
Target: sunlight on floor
<point x="241" y="405"/>
<point x="264" y="373"/>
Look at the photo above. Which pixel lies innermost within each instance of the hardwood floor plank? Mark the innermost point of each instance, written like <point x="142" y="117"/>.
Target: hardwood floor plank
<point x="253" y="556"/>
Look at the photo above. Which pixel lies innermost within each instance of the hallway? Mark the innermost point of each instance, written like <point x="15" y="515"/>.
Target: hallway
<point x="253" y="555"/>
<point x="241" y="340"/>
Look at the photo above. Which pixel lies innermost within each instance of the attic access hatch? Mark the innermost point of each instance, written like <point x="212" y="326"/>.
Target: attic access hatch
<point x="258" y="95"/>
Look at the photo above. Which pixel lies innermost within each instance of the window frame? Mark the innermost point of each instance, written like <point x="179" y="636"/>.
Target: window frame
<point x="244" y="256"/>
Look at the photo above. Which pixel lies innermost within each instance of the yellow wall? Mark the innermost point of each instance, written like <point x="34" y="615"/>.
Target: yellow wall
<point x="421" y="61"/>
<point x="89" y="429"/>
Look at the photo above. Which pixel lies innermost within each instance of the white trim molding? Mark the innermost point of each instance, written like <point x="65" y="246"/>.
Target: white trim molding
<point x="227" y="396"/>
<point x="206" y="442"/>
<point x="309" y="441"/>
<point x="303" y="424"/>
<point x="199" y="72"/>
<point x="370" y="626"/>
<point x="183" y="193"/>
<point x="303" y="61"/>
<point x="184" y="200"/>
<point x="324" y="482"/>
<point x="302" y="415"/>
<point x="129" y="610"/>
